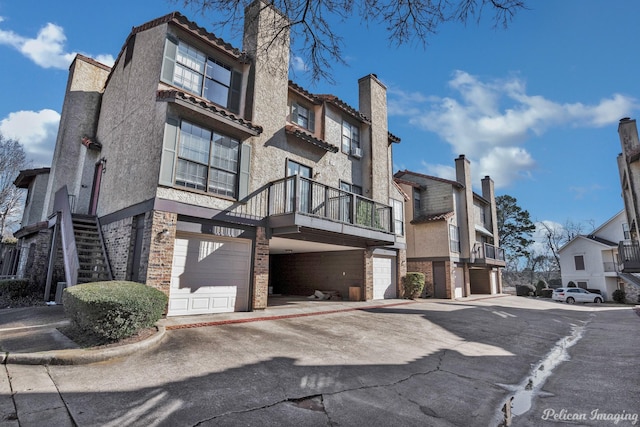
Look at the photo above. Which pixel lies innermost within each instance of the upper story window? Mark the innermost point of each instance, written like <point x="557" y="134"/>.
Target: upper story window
<point x="302" y="116"/>
<point x="351" y="139"/>
<point x="579" y="261"/>
<point x="416" y="203"/>
<point x="207" y="161"/>
<point x="625" y="231"/>
<point x="192" y="70"/>
<point x="398" y="216"/>
<point x="454" y="238"/>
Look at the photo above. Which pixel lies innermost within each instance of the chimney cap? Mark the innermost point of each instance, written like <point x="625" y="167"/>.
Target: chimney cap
<point x="625" y="119"/>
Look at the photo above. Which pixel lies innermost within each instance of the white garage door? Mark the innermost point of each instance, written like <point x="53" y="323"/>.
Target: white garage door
<point x="459" y="282"/>
<point x="209" y="275"/>
<point x="384" y="277"/>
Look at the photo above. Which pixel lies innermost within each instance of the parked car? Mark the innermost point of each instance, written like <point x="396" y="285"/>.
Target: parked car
<point x="573" y="295"/>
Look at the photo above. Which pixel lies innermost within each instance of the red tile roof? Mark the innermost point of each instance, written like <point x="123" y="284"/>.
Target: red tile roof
<point x="305" y="136"/>
<point x="176" y="94"/>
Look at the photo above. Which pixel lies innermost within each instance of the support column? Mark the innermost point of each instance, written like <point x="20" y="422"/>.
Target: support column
<point x="159" y="239"/>
<point x="368" y="275"/>
<point x="260" y="270"/>
<point x="401" y="272"/>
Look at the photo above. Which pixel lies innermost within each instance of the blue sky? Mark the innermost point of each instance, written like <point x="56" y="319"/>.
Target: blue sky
<point x="535" y="106"/>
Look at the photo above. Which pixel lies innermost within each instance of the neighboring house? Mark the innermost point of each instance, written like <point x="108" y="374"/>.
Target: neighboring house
<point x="34" y="236"/>
<point x="209" y="175"/>
<point x="452" y="233"/>
<point x="629" y="170"/>
<point x="591" y="261"/>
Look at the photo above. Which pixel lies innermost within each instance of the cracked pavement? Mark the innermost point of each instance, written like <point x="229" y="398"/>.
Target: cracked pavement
<point x="436" y="363"/>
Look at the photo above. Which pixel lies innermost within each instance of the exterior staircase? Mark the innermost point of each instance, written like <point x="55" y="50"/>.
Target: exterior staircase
<point x="92" y="263"/>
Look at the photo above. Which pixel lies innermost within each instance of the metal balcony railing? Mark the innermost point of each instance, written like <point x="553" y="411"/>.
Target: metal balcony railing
<point x="296" y="194"/>
<point x="486" y="251"/>
<point x="629" y="256"/>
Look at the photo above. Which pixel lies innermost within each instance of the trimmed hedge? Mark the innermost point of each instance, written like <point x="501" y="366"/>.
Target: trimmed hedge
<point x="413" y="284"/>
<point x="15" y="288"/>
<point x="619" y="296"/>
<point x="113" y="310"/>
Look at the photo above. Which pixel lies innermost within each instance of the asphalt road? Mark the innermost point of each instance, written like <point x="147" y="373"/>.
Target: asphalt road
<point x="431" y="363"/>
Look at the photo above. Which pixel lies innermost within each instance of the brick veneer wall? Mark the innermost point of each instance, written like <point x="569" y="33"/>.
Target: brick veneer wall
<point x="36" y="263"/>
<point x="260" y="270"/>
<point x="302" y="274"/>
<point x="425" y="267"/>
<point x="117" y="240"/>
<point x="159" y="256"/>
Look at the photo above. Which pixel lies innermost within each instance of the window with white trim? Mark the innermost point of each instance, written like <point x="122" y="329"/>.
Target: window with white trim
<point x="454" y="238"/>
<point x="398" y="216"/>
<point x="351" y="139"/>
<point x="579" y="262"/>
<point x="302" y="116"/>
<point x="207" y="160"/>
<point x="192" y="70"/>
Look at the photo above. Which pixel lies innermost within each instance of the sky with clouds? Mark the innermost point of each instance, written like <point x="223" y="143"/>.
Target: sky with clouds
<point x="534" y="106"/>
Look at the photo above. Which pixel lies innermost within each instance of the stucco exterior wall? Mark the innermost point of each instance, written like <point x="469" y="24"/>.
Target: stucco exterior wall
<point x="373" y="104"/>
<point x="132" y="125"/>
<point x="79" y="118"/>
<point x="37" y="194"/>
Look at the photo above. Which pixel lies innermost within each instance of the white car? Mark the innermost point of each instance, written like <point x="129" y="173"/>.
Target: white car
<point x="573" y="295"/>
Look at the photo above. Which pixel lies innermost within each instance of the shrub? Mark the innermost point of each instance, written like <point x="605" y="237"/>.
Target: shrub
<point x="571" y="284"/>
<point x="413" y="284"/>
<point x="619" y="295"/>
<point x="113" y="310"/>
<point x="15" y="288"/>
<point x="546" y="293"/>
<point x="524" y="290"/>
<point x="539" y="287"/>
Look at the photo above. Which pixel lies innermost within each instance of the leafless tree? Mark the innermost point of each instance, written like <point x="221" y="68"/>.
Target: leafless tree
<point x="12" y="159"/>
<point x="555" y="237"/>
<point x="314" y="21"/>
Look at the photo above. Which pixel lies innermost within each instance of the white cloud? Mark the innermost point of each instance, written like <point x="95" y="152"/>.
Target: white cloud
<point x="47" y="49"/>
<point x="36" y="131"/>
<point x="298" y="64"/>
<point x="491" y="121"/>
<point x="441" y="171"/>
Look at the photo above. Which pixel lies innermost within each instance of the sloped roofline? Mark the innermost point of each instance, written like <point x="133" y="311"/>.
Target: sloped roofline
<point x="400" y="174"/>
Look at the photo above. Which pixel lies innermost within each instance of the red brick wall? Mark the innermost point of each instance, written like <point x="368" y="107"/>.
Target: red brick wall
<point x="368" y="274"/>
<point x="426" y="268"/>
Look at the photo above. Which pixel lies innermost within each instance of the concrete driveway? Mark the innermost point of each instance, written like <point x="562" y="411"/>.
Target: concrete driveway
<point x="436" y="363"/>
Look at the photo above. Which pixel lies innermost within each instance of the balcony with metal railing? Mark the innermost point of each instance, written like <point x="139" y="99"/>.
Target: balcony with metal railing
<point x="629" y="256"/>
<point x="297" y="204"/>
<point x="487" y="254"/>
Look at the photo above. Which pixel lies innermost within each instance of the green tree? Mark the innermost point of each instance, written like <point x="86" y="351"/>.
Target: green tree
<point x="313" y="23"/>
<point x="12" y="160"/>
<point x="514" y="227"/>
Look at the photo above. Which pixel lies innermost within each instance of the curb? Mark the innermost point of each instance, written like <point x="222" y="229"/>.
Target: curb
<point x="82" y="356"/>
